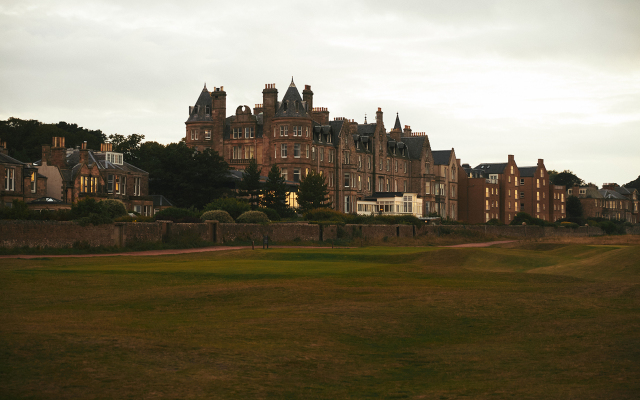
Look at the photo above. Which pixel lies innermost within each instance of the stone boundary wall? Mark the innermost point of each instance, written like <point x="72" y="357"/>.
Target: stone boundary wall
<point x="64" y="234"/>
<point x="632" y="230"/>
<point x="53" y="234"/>
<point x="275" y="232"/>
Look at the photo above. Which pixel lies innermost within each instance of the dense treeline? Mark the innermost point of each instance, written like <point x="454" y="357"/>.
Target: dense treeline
<point x="25" y="137"/>
<point x="186" y="178"/>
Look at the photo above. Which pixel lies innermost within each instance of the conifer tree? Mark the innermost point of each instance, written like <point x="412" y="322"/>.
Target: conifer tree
<point x="313" y="192"/>
<point x="275" y="192"/>
<point x="250" y="184"/>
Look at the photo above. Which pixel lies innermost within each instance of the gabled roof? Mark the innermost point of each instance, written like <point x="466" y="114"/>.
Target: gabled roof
<point x="366" y="129"/>
<point x="527" y="172"/>
<point x="291" y="104"/>
<point x="491" y="168"/>
<point x="198" y="113"/>
<point x="611" y="194"/>
<point x="336" y="128"/>
<point x="160" y="201"/>
<point x="9" y="160"/>
<point x="441" y="157"/>
<point x="415" y="144"/>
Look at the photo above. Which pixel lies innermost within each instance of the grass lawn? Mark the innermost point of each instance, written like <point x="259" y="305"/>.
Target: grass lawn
<point x="543" y="321"/>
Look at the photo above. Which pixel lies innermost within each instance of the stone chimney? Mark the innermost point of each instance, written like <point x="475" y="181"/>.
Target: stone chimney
<point x="106" y="147"/>
<point x="84" y="153"/>
<point x="56" y="154"/>
<point x="307" y="97"/>
<point x="3" y="148"/>
<point x="407" y="131"/>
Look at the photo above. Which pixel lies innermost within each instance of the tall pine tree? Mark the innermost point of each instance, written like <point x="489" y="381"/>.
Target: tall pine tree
<point x="313" y="192"/>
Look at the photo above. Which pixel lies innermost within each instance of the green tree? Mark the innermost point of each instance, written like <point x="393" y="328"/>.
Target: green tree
<point x="185" y="177"/>
<point x="129" y="146"/>
<point x="275" y="192"/>
<point x="574" y="207"/>
<point x="565" y="178"/>
<point x="25" y="138"/>
<point x="313" y="192"/>
<point x="634" y="184"/>
<point x="250" y="184"/>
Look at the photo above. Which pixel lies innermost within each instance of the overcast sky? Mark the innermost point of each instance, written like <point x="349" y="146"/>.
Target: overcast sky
<point x="558" y="80"/>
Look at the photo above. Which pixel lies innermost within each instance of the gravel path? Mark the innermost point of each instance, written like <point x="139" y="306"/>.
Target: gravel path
<point x="486" y="244"/>
<point x="207" y="249"/>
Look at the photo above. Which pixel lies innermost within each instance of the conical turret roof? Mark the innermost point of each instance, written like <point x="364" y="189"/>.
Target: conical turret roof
<point x="199" y="111"/>
<point x="397" y="124"/>
<point x="292" y="104"/>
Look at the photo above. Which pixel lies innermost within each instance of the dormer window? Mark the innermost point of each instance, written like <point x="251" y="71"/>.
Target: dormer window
<point x="284" y="105"/>
<point x="207" y="110"/>
<point x="114" y="158"/>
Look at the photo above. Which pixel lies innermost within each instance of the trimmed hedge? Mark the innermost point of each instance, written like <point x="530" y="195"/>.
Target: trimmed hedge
<point x="219" y="215"/>
<point x="253" y="217"/>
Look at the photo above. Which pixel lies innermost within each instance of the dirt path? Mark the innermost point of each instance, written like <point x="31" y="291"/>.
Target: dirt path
<point x="486" y="244"/>
<point x="207" y="249"/>
<point x="159" y="252"/>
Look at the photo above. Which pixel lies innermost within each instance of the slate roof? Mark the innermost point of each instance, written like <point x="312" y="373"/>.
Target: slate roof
<point x="199" y="113"/>
<point x="366" y="129"/>
<point x="611" y="194"/>
<point x="397" y="124"/>
<point x="159" y="200"/>
<point x="74" y="166"/>
<point x="415" y="143"/>
<point x="491" y="168"/>
<point x="291" y="104"/>
<point x="473" y="172"/>
<point x="527" y="172"/>
<point x="9" y="160"/>
<point x="336" y="128"/>
<point x="441" y="157"/>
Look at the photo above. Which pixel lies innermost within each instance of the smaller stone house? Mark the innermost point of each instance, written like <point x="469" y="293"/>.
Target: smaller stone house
<point x="76" y="173"/>
<point x="19" y="181"/>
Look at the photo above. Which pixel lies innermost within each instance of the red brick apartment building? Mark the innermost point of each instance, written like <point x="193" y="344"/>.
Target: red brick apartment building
<point x="357" y="159"/>
<point x="507" y="175"/>
<point x="479" y="196"/>
<point x="533" y="191"/>
<point x="557" y="203"/>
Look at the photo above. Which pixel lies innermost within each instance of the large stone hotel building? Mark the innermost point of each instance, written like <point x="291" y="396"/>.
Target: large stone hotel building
<point x="361" y="161"/>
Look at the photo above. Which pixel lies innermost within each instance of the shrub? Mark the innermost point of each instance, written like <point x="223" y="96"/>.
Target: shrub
<point x="611" y="228"/>
<point x="324" y="214"/>
<point x="219" y="215"/>
<point x="113" y="208"/>
<point x="568" y="224"/>
<point x="271" y="213"/>
<point x="88" y="211"/>
<point x="231" y="205"/>
<point x="494" y="221"/>
<point x="529" y="220"/>
<point x="176" y="214"/>
<point x="253" y="217"/>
